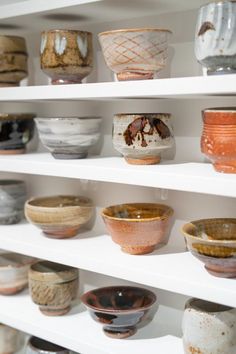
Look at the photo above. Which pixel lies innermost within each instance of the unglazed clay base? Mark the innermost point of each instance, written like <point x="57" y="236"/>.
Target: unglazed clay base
<point x="13" y="290"/>
<point x="65" y="233"/>
<point x="149" y="160"/>
<point x="221" y="272"/>
<point x="138" y="250"/>
<point x="54" y="312"/>
<point x="225" y="168"/>
<point x="120" y="333"/>
<point x="12" y="152"/>
<point x="126" y="75"/>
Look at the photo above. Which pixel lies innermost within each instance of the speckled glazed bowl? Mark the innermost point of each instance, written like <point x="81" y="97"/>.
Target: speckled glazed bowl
<point x="14" y="272"/>
<point x="69" y="138"/>
<point x="213" y="241"/>
<point x="59" y="216"/>
<point x="10" y="340"/>
<point x="142" y="137"/>
<point x="135" y="54"/>
<point x="119" y="308"/>
<point x="66" y="55"/>
<point x="39" y="346"/>
<point x="138" y="227"/>
<point x="52" y="287"/>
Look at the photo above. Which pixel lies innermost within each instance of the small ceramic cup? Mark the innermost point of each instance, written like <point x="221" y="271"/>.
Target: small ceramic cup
<point x="39" y="346"/>
<point x="208" y="328"/>
<point x="66" y="55"/>
<point x="11" y="340"/>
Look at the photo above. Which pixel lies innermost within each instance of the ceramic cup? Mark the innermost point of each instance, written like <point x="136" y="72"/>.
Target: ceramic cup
<point x="215" y="38"/>
<point x="39" y="346"/>
<point x="12" y="200"/>
<point x="52" y="287"/>
<point x="135" y="54"/>
<point x="66" y="55"/>
<point x="11" y="340"/>
<point x="69" y="138"/>
<point x="13" y="59"/>
<point x="141" y="138"/>
<point x="208" y="328"/>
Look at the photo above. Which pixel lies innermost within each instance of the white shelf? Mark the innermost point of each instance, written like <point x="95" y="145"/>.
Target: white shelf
<point x="165" y="269"/>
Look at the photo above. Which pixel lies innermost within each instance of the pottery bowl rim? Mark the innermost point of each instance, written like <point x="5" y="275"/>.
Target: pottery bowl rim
<point x="59" y="119"/>
<point x="38" y="347"/>
<point x="216" y="2"/>
<point x="4" y="183"/>
<point x="16" y="116"/>
<point x="85" y="200"/>
<point x="61" y="273"/>
<point x="141" y="29"/>
<point x="192" y="303"/>
<point x="58" y="30"/>
<point x="21" y="261"/>
<point x="220" y="109"/>
<point x="168" y="115"/>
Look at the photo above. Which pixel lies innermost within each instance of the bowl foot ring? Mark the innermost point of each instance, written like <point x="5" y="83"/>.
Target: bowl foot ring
<point x="120" y="333"/>
<point x="54" y="311"/>
<point x="61" y="156"/>
<point x="138" y="250"/>
<point x="149" y="160"/>
<point x="219" y="167"/>
<point x="224" y="273"/>
<point x="12" y="152"/>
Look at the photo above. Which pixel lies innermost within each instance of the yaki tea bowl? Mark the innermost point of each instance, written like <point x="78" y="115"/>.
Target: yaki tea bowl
<point x="59" y="216"/>
<point x="10" y="340"/>
<point x="119" y="308"/>
<point x="39" y="346"/>
<point x="213" y="241"/>
<point x="135" y="54"/>
<point x="138" y="227"/>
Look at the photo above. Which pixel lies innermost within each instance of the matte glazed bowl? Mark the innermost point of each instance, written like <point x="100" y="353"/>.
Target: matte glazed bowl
<point x="10" y="340"/>
<point x="138" y="227"/>
<point x="119" y="308"/>
<point x="39" y="346"/>
<point x="141" y="138"/>
<point x="52" y="287"/>
<point x="213" y="241"/>
<point x="14" y="272"/>
<point x="66" y="55"/>
<point x="12" y="200"/>
<point x="59" y="216"/>
<point x="135" y="54"/>
<point x="69" y="138"/>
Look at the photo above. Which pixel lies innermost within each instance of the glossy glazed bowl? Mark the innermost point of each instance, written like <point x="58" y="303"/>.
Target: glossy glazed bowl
<point x="66" y="55"/>
<point x="39" y="346"/>
<point x="135" y="54"/>
<point x="141" y="138"/>
<point x="52" y="287"/>
<point x="213" y="241"/>
<point x="138" y="227"/>
<point x="119" y="308"/>
<point x="59" y="216"/>
<point x="14" y="272"/>
<point x="69" y="138"/>
<point x="10" y="339"/>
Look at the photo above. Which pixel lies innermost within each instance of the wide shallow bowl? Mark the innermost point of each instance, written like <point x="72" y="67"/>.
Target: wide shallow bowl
<point x="135" y="54"/>
<point x="213" y="241"/>
<point x="66" y="55"/>
<point x="11" y="339"/>
<point x="59" y="216"/>
<point x="14" y="272"/>
<point x="142" y="137"/>
<point x="53" y="286"/>
<point x="39" y="346"/>
<point x="69" y="138"/>
<point x="138" y="227"/>
<point x="119" y="308"/>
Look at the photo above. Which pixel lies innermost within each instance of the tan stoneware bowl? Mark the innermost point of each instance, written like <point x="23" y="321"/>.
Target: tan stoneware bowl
<point x="138" y="227"/>
<point x="59" y="216"/>
<point x="52" y="287"/>
<point x="213" y="241"/>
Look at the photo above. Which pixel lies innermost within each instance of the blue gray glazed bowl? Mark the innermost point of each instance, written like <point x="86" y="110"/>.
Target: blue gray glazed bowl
<point x="69" y="138"/>
<point x="37" y="345"/>
<point x="12" y="200"/>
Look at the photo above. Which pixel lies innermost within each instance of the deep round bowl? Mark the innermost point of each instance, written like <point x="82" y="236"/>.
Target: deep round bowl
<point x="119" y="308"/>
<point x="37" y="345"/>
<point x="135" y="54"/>
<point x="213" y="241"/>
<point x="59" y="216"/>
<point x="11" y="340"/>
<point x="69" y="138"/>
<point x="138" y="227"/>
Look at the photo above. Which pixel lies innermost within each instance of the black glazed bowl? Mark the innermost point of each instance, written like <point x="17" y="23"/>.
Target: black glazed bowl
<point x="16" y="130"/>
<point x="119" y="308"/>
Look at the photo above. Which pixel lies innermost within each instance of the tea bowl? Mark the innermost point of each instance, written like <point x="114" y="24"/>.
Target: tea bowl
<point x="119" y="308"/>
<point x="37" y="345"/>
<point x="138" y="227"/>
<point x="66" y="55"/>
<point x="135" y="54"/>
<point x="69" y="138"/>
<point x="11" y="339"/>
<point x="141" y="138"/>
<point x="213" y="241"/>
<point x="14" y="272"/>
<point x="59" y="216"/>
<point x="52" y="287"/>
<point x="13" y="59"/>
<point x="12" y="200"/>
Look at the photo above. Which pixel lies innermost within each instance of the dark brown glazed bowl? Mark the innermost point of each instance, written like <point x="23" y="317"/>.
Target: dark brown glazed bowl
<point x="213" y="241"/>
<point x="138" y="227"/>
<point x="119" y="308"/>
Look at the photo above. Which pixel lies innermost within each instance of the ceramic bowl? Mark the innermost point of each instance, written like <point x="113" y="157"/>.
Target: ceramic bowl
<point x="12" y="200"/>
<point x="10" y="340"/>
<point x="135" y="54"/>
<point x="66" y="55"/>
<point x="69" y="138"/>
<point x="52" y="287"/>
<point x="59" y="216"/>
<point x="13" y="59"/>
<point x="119" y="308"/>
<point x="141" y="138"/>
<point x="14" y="272"/>
<point x="39" y="346"/>
<point x="215" y="38"/>
<point x="213" y="241"/>
<point x="138" y="227"/>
